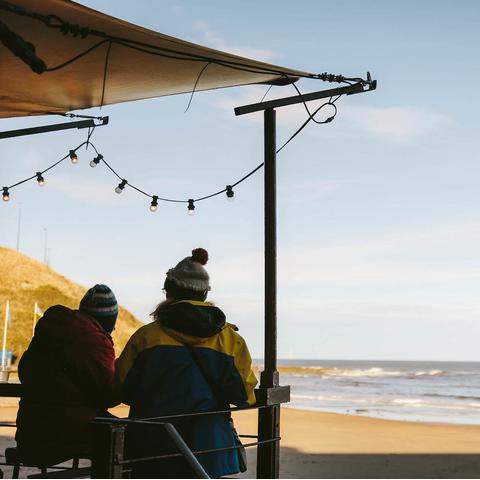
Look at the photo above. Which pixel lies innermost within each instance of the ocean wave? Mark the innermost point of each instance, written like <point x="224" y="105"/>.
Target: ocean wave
<point x="430" y="373"/>
<point x="456" y="397"/>
<point x="396" y="403"/>
<point x="357" y="372"/>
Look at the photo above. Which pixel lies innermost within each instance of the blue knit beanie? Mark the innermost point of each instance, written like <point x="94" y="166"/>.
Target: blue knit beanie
<point x="100" y="303"/>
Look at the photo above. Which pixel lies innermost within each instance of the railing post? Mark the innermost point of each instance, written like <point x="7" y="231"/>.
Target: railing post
<point x="108" y="448"/>
<point x="269" y="418"/>
<point x="183" y="448"/>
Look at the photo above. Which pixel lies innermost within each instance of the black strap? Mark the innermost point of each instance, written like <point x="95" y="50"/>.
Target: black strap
<point x="220" y="402"/>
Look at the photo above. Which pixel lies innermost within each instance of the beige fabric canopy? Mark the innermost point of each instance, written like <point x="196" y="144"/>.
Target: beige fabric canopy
<point x="130" y="74"/>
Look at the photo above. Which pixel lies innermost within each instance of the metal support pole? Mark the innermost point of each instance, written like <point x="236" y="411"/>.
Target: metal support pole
<point x="192" y="461"/>
<point x="269" y="418"/>
<point x="108" y="448"/>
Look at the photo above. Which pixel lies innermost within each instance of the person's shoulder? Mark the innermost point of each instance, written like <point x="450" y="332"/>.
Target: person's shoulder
<point x="232" y="330"/>
<point x="89" y="329"/>
<point x="146" y="334"/>
<point x="147" y="329"/>
<point x="229" y="340"/>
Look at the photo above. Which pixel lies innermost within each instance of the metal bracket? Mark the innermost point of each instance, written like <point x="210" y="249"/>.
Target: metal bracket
<point x="53" y="128"/>
<point x="273" y="395"/>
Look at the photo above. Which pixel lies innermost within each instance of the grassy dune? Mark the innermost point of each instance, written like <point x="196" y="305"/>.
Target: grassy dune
<point x="25" y="281"/>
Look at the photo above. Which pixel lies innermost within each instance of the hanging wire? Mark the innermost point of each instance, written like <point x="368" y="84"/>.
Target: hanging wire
<point x="311" y="116"/>
<point x="76" y="57"/>
<point x="195" y="86"/>
<point x="266" y="93"/>
<point x="105" y="70"/>
<point x="48" y="168"/>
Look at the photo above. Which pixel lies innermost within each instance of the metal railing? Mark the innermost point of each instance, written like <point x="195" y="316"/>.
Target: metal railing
<point x="109" y="447"/>
<point x="108" y="454"/>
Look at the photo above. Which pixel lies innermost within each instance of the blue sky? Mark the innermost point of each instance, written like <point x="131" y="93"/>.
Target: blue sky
<point x="378" y="212"/>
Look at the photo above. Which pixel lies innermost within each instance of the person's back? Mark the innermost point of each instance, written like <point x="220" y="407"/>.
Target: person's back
<point x="164" y="368"/>
<point x="67" y="376"/>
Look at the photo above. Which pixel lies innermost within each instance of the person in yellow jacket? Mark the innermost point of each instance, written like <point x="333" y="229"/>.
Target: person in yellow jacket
<point x="189" y="359"/>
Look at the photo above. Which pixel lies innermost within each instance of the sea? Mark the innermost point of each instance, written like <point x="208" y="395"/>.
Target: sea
<point x="438" y="392"/>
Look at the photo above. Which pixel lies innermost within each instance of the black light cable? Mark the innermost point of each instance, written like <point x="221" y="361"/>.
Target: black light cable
<point x="155" y="198"/>
<point x="39" y="175"/>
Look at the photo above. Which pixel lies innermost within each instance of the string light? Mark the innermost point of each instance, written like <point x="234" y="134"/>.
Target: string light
<point x="230" y="194"/>
<point x="40" y="179"/>
<point x="96" y="160"/>
<point x="73" y="156"/>
<point x="154" y="204"/>
<point x="154" y="198"/>
<point x="120" y="187"/>
<point x="191" y="206"/>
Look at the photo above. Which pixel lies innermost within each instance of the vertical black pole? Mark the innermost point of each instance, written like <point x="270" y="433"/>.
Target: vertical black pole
<point x="269" y="418"/>
<point x="108" y="447"/>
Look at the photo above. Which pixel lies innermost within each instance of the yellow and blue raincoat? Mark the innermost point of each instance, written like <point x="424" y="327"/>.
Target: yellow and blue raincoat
<point x="159" y="377"/>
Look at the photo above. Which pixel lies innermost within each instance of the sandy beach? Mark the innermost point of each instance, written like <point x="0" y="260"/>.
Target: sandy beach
<point x="326" y="445"/>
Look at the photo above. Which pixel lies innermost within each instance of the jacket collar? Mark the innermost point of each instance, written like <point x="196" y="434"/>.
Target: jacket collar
<point x="192" y="320"/>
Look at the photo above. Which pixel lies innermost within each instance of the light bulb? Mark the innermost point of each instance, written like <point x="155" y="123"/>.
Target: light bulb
<point x="120" y="186"/>
<point x="40" y="179"/>
<point x="96" y="161"/>
<point x="191" y="207"/>
<point x="6" y="194"/>
<point x="230" y="194"/>
<point x="73" y="156"/>
<point x="154" y="204"/>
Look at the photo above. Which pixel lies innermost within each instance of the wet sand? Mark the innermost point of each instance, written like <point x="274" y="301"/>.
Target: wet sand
<point x="327" y="445"/>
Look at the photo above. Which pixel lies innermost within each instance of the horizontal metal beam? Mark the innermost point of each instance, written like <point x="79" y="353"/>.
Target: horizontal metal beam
<point x="307" y="97"/>
<point x="10" y="389"/>
<point x="53" y="128"/>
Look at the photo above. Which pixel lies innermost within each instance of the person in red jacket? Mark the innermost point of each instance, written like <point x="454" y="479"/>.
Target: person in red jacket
<point x="68" y="378"/>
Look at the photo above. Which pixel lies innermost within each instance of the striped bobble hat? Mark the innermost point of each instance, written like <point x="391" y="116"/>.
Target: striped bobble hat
<point x="100" y="302"/>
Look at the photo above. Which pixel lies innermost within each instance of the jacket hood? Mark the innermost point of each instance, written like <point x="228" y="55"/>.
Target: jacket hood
<point x="190" y="321"/>
<point x="60" y="326"/>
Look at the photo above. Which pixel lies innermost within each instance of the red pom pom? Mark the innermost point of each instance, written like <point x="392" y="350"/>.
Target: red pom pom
<point x="200" y="255"/>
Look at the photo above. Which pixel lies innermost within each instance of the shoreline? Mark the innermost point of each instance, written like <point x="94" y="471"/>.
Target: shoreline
<point x="12" y="403"/>
<point x="414" y="422"/>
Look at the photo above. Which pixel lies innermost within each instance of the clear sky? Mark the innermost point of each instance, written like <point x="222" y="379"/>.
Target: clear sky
<point x="378" y="212"/>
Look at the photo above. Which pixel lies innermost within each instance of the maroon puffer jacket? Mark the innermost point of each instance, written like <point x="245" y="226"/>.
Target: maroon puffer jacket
<point x="67" y="375"/>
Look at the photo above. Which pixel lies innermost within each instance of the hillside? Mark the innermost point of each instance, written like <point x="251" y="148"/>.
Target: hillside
<point x="25" y="281"/>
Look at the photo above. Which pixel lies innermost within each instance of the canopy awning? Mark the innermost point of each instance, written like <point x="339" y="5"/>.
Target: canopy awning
<point x="123" y="62"/>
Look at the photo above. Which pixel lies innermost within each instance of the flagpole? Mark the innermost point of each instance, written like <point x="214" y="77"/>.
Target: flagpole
<point x="4" y="348"/>
<point x="34" y="318"/>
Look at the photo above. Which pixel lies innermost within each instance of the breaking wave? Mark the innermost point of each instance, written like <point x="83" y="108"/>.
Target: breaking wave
<point x="358" y="372"/>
